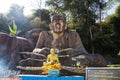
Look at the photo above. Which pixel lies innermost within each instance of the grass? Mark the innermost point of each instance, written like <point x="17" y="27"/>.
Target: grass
<point x="114" y="65"/>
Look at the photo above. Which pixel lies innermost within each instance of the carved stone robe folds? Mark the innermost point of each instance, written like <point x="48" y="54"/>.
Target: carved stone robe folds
<point x="70" y="43"/>
<point x="70" y="39"/>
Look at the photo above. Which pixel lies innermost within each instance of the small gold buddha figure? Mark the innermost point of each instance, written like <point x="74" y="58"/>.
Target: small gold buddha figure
<point x="78" y="64"/>
<point x="52" y="62"/>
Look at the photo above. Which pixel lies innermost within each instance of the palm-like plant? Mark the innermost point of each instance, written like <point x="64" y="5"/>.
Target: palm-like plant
<point x="13" y="30"/>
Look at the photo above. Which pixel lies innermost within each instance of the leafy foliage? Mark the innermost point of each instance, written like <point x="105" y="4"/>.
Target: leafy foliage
<point x="81" y="14"/>
<point x="4" y="21"/>
<point x="37" y="23"/>
<point x="13" y="31"/>
<point x="40" y="19"/>
<point x="109" y="38"/>
<point x="43" y="14"/>
<point x="118" y="53"/>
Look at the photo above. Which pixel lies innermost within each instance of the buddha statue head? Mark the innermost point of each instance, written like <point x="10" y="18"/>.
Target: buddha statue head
<point x="58" y="23"/>
<point x="52" y="51"/>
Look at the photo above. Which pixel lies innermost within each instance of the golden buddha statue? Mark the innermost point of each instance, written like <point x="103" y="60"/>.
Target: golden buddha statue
<point x="52" y="62"/>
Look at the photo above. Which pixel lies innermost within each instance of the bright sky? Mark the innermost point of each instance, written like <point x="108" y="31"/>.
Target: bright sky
<point x="28" y="5"/>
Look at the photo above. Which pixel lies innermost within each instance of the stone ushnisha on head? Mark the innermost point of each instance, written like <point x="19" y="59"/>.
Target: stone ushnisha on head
<point x="57" y="16"/>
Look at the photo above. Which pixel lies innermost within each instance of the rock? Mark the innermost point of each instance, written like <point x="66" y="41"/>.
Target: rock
<point x="93" y="60"/>
<point x="33" y="35"/>
<point x="68" y="71"/>
<point x="24" y="45"/>
<point x="31" y="62"/>
<point x="65" y="60"/>
<point x="71" y="71"/>
<point x="82" y="59"/>
<point x="97" y="60"/>
<point x="32" y="55"/>
<point x="10" y="46"/>
<point x="31" y="59"/>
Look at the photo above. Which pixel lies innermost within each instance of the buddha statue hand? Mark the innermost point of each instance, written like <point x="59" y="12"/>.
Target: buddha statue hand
<point x="67" y="51"/>
<point x="53" y="62"/>
<point x="45" y="51"/>
<point x="36" y="50"/>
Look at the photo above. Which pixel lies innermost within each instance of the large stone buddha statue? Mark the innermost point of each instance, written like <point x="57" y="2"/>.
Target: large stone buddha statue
<point x="59" y="37"/>
<point x="66" y="42"/>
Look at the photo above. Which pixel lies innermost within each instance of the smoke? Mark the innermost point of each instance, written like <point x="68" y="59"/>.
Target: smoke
<point x="5" y="72"/>
<point x="5" y="57"/>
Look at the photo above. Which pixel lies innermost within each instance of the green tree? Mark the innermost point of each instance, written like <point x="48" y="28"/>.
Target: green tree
<point x="44" y="15"/>
<point x="4" y="21"/>
<point x="108" y="41"/>
<point x="16" y="14"/>
<point x="37" y="23"/>
<point x="40" y="22"/>
<point x="81" y="14"/>
<point x="115" y="21"/>
<point x="104" y="42"/>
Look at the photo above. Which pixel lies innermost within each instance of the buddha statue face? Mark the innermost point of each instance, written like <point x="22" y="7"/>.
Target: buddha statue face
<point x="58" y="24"/>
